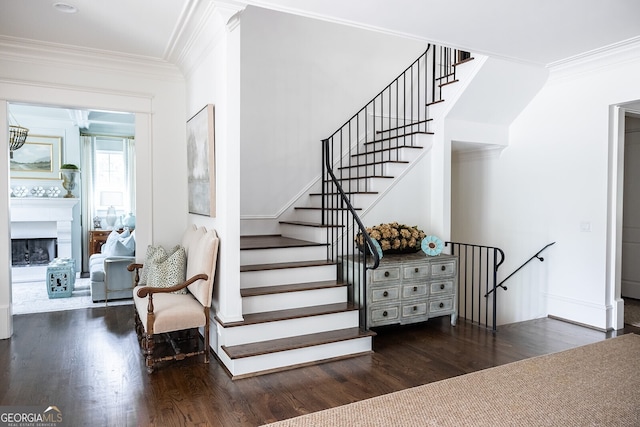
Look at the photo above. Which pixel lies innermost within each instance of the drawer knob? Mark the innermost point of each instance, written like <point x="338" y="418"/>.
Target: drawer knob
<point x="385" y="294"/>
<point x="415" y="308"/>
<point x="441" y="304"/>
<point x="442" y="286"/>
<point x="417" y="269"/>
<point x="386" y="274"/>
<point x="384" y="314"/>
<point x="415" y="289"/>
<point x="443" y="268"/>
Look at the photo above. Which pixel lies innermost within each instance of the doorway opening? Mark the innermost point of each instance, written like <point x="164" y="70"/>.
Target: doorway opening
<point x="74" y="132"/>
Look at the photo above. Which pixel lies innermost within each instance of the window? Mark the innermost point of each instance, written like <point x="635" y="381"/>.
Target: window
<point x="112" y="176"/>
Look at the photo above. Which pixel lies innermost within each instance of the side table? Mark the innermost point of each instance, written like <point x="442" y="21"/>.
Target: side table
<point x="61" y="277"/>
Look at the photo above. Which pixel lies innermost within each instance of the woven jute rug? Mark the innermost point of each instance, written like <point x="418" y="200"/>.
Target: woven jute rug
<point x="593" y="385"/>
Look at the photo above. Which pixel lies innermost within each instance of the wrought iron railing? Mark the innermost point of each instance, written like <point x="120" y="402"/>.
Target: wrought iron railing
<point x="477" y="277"/>
<point x="359" y="151"/>
<point x="478" y="280"/>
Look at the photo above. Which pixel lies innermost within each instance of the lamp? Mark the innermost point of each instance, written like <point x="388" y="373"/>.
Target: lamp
<point x="111" y="199"/>
<point x="17" y="136"/>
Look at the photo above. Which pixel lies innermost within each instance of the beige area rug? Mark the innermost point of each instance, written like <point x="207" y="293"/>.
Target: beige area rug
<point x="32" y="297"/>
<point x="632" y="312"/>
<point x="594" y="385"/>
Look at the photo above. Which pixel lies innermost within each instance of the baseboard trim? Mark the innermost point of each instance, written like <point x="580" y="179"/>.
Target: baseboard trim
<point x="573" y="322"/>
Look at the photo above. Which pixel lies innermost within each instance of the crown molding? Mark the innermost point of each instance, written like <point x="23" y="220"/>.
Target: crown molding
<point x="614" y="54"/>
<point x="205" y="24"/>
<point x="45" y="53"/>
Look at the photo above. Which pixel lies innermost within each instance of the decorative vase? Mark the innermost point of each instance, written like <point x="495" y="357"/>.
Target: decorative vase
<point x="129" y="221"/>
<point x="111" y="216"/>
<point x="69" y="177"/>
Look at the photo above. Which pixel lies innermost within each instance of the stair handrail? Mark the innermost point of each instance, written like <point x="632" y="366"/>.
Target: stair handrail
<point x="400" y="111"/>
<point x="535" y="256"/>
<point x="379" y="93"/>
<point x="362" y="229"/>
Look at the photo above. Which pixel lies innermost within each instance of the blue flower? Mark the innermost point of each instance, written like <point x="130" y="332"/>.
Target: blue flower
<point x="431" y="245"/>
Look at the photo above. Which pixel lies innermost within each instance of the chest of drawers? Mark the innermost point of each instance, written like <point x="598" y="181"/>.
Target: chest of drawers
<point x="407" y="288"/>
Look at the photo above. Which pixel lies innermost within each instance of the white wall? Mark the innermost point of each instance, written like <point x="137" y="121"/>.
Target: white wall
<point x="212" y="71"/>
<point x="302" y="79"/>
<point x="552" y="184"/>
<point x="154" y="91"/>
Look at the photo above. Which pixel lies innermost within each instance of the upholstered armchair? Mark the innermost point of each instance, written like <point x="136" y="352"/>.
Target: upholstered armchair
<point x="167" y="300"/>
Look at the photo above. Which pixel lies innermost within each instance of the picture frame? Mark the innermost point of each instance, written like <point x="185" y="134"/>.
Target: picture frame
<point x="39" y="158"/>
<point x="201" y="162"/>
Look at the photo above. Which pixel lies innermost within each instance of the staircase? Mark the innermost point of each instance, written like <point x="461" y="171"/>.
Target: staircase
<point x="296" y="312"/>
<point x="296" y="309"/>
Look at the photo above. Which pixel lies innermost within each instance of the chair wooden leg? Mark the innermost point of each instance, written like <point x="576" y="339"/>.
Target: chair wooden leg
<point x="148" y="352"/>
<point x="206" y="335"/>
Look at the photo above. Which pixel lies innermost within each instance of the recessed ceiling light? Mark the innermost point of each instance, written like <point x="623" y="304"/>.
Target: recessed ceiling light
<point x="64" y="7"/>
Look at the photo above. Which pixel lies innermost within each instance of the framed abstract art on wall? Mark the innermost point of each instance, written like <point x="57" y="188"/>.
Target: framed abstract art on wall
<point x="201" y="162"/>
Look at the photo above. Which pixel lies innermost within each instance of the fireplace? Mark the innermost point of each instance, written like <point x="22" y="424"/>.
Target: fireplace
<point x="41" y="230"/>
<point x="28" y="252"/>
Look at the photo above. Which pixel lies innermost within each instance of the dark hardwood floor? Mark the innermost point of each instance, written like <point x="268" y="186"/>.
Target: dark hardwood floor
<point x="88" y="363"/>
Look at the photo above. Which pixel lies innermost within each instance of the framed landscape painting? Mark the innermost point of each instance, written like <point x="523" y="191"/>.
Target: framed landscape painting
<point x="201" y="162"/>
<point x="38" y="158"/>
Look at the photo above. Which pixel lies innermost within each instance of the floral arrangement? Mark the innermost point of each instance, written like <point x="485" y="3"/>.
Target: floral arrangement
<point x="394" y="237"/>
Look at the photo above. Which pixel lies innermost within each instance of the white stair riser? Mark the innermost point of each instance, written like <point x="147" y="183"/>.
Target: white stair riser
<point x="357" y="200"/>
<point x="315" y="215"/>
<point x="287" y="276"/>
<point x="301" y="356"/>
<point x="312" y="234"/>
<point x="287" y="328"/>
<point x="392" y="169"/>
<point x="366" y="184"/>
<point x="268" y="256"/>
<point x="413" y="140"/>
<point x="404" y="154"/>
<point x="289" y="300"/>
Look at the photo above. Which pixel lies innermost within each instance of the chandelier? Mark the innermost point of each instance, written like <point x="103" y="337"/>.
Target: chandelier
<point x="17" y="136"/>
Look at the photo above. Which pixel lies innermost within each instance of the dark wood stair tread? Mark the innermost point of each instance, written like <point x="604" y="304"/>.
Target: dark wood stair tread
<point x="284" y="265"/>
<point x="463" y="61"/>
<point x="293" y="343"/>
<point x="388" y="138"/>
<point x="313" y="208"/>
<point x="346" y="192"/>
<point x="373" y="164"/>
<point x="294" y="287"/>
<point x="382" y="150"/>
<point x="309" y="224"/>
<point x="361" y="177"/>
<point x="448" y="83"/>
<point x="404" y="126"/>
<point x="273" y="241"/>
<point x="294" y="313"/>
<point x="435" y="102"/>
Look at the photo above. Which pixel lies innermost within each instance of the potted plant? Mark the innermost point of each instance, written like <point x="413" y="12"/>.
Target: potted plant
<point x="69" y="174"/>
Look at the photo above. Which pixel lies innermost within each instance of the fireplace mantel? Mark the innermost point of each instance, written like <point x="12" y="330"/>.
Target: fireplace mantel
<point x="41" y="209"/>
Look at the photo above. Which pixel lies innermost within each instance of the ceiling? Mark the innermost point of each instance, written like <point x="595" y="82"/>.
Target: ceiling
<point x="539" y="32"/>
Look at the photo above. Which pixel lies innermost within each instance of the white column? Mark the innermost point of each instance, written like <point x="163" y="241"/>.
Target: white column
<point x="6" y="322"/>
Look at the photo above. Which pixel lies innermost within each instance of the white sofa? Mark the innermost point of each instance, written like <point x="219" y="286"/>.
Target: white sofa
<point x="110" y="279"/>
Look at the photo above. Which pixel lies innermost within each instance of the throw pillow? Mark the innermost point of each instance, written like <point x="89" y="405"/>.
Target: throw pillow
<point x="154" y="253"/>
<point x="170" y="271"/>
<point x="121" y="249"/>
<point x="110" y="242"/>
